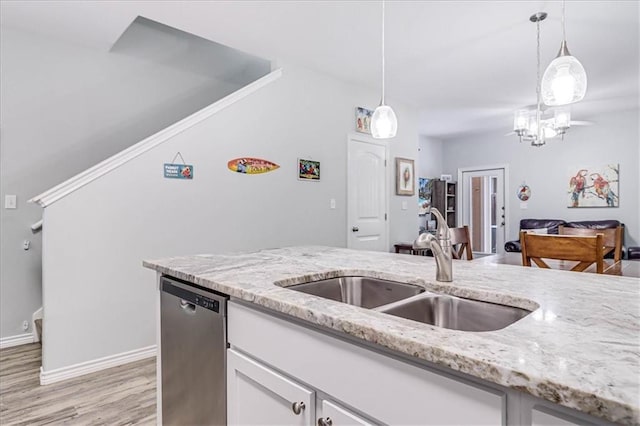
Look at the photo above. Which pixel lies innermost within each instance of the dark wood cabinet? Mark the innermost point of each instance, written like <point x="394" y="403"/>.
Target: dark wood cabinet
<point x="443" y="197"/>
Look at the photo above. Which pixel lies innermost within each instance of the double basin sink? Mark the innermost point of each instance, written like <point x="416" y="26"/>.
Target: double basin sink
<point x="414" y="303"/>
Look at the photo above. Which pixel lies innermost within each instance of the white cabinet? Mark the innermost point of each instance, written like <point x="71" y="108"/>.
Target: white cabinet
<point x="385" y="389"/>
<point x="257" y="395"/>
<point x="331" y="414"/>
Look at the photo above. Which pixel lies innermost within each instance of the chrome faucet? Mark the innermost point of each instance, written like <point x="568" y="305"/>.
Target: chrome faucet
<point x="441" y="247"/>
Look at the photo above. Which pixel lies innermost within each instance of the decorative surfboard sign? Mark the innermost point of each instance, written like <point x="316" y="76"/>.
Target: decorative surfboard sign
<point x="251" y="166"/>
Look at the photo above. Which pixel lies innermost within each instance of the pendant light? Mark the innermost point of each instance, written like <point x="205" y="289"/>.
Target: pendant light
<point x="384" y="124"/>
<point x="565" y="80"/>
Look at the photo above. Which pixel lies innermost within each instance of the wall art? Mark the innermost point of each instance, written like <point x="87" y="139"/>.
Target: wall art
<point x="175" y="170"/>
<point x="405" y="180"/>
<point x="308" y="170"/>
<point x="594" y="186"/>
<point x="425" y="186"/>
<point x="363" y="120"/>
<point x="251" y="166"/>
<point x="524" y="192"/>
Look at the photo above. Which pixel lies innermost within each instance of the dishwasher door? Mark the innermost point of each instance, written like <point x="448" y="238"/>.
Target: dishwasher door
<point x="193" y="355"/>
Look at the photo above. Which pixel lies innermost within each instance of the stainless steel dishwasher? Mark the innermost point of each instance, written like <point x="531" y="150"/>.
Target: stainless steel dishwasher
<point x="193" y="354"/>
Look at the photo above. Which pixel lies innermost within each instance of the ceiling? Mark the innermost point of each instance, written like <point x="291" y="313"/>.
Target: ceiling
<point x="464" y="65"/>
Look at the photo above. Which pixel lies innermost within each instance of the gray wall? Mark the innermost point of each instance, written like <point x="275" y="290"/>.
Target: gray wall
<point x="614" y="138"/>
<point x="65" y="108"/>
<point x="429" y="157"/>
<point x="143" y="216"/>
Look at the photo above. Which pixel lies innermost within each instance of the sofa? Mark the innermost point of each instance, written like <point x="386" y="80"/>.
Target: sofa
<point x="550" y="226"/>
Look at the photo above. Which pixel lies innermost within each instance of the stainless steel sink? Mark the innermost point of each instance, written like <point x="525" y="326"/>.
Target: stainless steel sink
<point x="360" y="291"/>
<point x="456" y="313"/>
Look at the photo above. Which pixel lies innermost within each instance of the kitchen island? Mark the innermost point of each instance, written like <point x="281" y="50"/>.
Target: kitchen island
<point x="579" y="348"/>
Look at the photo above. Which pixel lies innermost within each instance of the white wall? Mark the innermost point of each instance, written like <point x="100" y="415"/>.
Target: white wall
<point x="429" y="157"/>
<point x="65" y="108"/>
<point x="99" y="300"/>
<point x="614" y="138"/>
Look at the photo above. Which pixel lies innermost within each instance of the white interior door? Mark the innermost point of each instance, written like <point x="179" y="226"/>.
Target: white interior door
<point x="483" y="208"/>
<point x="367" y="195"/>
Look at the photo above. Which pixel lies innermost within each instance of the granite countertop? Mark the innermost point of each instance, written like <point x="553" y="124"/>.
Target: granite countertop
<point x="580" y="347"/>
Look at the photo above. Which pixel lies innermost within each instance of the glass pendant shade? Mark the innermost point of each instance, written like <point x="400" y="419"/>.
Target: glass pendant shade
<point x="565" y="81"/>
<point x="562" y="119"/>
<point x="521" y="121"/>
<point x="384" y="123"/>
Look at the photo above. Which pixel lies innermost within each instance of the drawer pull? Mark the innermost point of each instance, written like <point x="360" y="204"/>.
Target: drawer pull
<point x="297" y="407"/>
<point x="325" y="422"/>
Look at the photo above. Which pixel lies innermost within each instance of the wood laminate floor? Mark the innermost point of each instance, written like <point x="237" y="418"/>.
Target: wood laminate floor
<point x="124" y="395"/>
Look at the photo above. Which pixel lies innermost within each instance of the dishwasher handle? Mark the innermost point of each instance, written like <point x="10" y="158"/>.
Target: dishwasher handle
<point x="189" y="308"/>
<point x="190" y="298"/>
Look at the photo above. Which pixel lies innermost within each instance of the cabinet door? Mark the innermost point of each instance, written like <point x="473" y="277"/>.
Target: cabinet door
<point x="258" y="395"/>
<point x="334" y="415"/>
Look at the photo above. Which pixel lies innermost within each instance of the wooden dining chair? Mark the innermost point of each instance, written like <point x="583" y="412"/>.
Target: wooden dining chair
<point x="460" y="242"/>
<point x="612" y="238"/>
<point x="585" y="250"/>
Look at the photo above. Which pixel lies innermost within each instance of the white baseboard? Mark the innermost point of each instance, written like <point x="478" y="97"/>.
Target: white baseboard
<point x="20" y="339"/>
<point x="64" y="373"/>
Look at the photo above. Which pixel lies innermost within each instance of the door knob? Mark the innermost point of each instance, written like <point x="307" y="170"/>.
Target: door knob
<point x="355" y="229"/>
<point x="297" y="407"/>
<point x="325" y="422"/>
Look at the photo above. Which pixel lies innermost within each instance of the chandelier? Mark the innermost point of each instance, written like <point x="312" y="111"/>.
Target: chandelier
<point x="536" y="125"/>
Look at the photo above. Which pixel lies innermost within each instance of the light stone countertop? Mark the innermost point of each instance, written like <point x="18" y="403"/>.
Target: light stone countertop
<point x="580" y="347"/>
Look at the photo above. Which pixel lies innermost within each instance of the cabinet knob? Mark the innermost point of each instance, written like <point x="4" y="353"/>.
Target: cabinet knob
<point x="297" y="407"/>
<point x="325" y="422"/>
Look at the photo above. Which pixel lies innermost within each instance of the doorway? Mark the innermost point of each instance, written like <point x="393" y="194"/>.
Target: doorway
<point x="367" y="225"/>
<point x="483" y="207"/>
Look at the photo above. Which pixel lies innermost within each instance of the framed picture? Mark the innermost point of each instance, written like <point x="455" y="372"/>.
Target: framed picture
<point x="405" y="180"/>
<point x="363" y="120"/>
<point x="594" y="186"/>
<point x="308" y="170"/>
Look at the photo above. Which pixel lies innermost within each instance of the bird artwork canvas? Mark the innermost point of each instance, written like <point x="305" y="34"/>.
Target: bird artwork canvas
<point x="594" y="186"/>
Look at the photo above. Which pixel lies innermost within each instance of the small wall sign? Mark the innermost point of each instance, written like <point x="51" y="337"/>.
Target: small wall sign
<point x="251" y="166"/>
<point x="175" y="170"/>
<point x="308" y="170"/>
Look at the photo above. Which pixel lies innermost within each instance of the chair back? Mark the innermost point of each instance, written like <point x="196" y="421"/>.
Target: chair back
<point x="460" y="242"/>
<point x="585" y="250"/>
<point x="612" y="237"/>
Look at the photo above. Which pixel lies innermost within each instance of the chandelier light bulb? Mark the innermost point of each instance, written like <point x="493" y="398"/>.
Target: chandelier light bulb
<point x="384" y="123"/>
<point x="564" y="82"/>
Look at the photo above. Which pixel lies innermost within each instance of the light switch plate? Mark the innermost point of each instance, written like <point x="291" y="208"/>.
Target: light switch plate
<point x="404" y="205"/>
<point x="332" y="203"/>
<point x="10" y="202"/>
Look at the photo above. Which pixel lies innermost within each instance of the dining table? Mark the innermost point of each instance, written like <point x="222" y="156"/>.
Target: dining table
<point x="627" y="268"/>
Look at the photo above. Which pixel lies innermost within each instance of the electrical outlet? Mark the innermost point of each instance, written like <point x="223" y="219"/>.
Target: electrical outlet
<point x="25" y="325"/>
